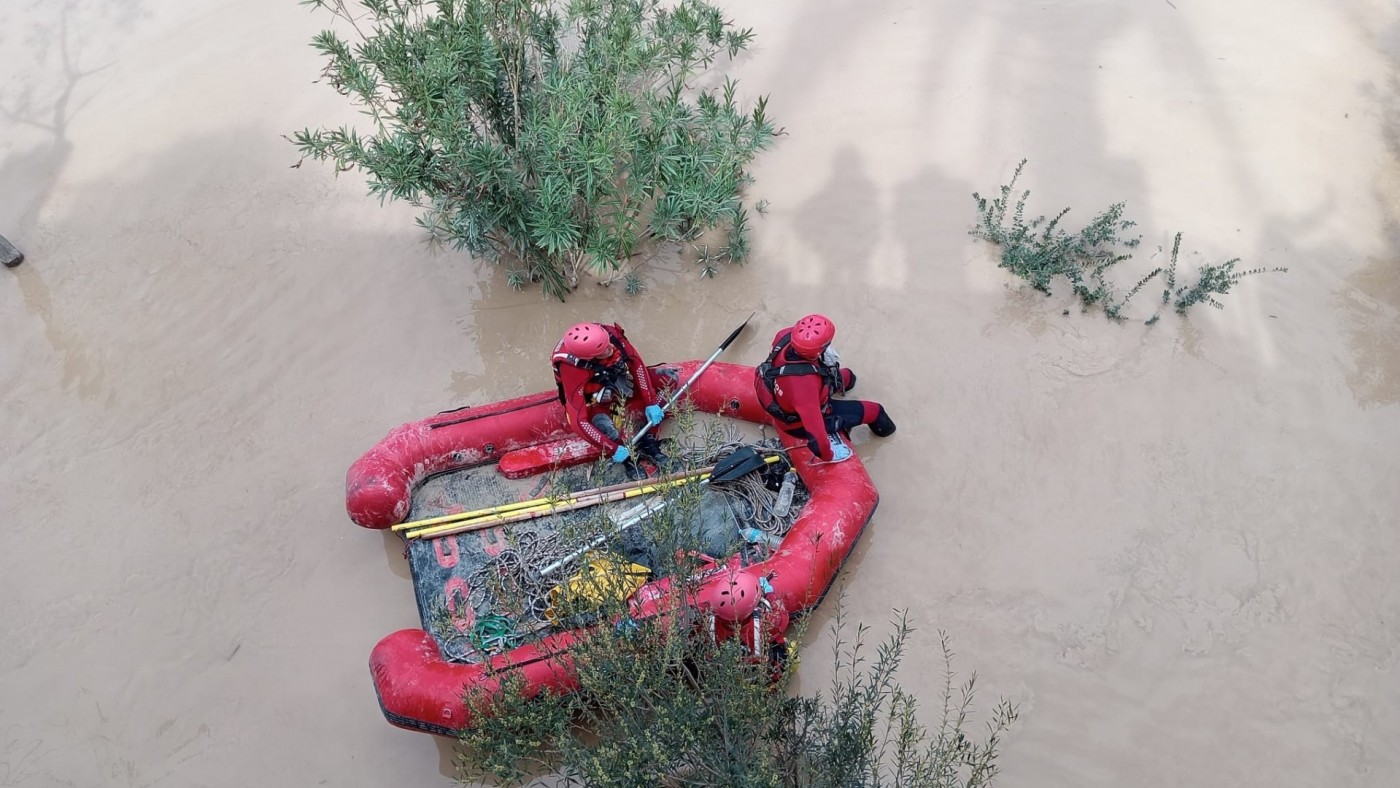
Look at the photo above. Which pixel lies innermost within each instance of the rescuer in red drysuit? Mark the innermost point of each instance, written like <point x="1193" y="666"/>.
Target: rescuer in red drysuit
<point x="796" y="383"/>
<point x="599" y="372"/>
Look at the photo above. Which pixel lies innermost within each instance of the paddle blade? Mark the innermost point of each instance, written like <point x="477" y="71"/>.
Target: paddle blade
<point x="738" y="463"/>
<point x="735" y="335"/>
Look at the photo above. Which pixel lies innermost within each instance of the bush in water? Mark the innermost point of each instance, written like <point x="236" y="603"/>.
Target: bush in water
<point x="1040" y="250"/>
<point x="660" y="706"/>
<point x="560" y="137"/>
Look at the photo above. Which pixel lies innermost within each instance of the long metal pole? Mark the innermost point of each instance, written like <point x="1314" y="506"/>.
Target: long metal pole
<point x="683" y="389"/>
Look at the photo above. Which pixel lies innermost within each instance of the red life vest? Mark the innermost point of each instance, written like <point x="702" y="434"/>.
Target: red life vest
<point x="767" y="374"/>
<point x="615" y="377"/>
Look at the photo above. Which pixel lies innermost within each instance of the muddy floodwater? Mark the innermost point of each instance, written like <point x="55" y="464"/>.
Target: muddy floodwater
<point x="1176" y="547"/>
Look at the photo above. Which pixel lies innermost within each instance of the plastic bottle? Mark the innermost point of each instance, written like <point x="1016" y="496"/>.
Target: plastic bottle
<point x="785" y="493"/>
<point x="755" y="536"/>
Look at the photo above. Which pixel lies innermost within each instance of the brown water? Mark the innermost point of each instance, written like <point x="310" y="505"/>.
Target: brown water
<point x="1175" y="547"/>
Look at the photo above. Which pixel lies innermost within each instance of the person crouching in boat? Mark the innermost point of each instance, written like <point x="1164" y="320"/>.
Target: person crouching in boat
<point x="599" y="374"/>
<point x="796" y="383"/>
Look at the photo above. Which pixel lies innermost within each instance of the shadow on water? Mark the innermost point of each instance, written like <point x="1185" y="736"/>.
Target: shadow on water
<point x="1049" y="115"/>
<point x="37" y="105"/>
<point x="81" y="373"/>
<point x="1370" y="298"/>
<point x="810" y="52"/>
<point x="31" y="175"/>
<point x="837" y="222"/>
<point x="1370" y="304"/>
<point x="931" y="214"/>
<point x="843" y="223"/>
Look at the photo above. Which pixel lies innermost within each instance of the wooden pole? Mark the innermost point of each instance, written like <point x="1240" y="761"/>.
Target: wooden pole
<point x="478" y="523"/>
<point x="544" y="503"/>
<point x="544" y="510"/>
<point x="9" y="255"/>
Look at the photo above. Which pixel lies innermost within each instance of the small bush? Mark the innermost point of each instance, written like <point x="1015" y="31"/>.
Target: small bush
<point x="1041" y="251"/>
<point x="663" y="704"/>
<point x="1211" y="281"/>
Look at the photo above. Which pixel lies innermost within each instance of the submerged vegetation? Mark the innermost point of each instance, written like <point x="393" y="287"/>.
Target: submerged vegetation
<point x="1041" y="250"/>
<point x="559" y="137"/>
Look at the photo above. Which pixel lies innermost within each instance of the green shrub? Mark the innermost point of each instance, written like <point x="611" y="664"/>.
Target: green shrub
<point x="559" y="137"/>
<point x="1211" y="281"/>
<point x="1041" y="251"/>
<point x="663" y="704"/>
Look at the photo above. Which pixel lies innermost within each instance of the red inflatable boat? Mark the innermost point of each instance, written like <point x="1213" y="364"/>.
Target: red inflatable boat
<point x="421" y="689"/>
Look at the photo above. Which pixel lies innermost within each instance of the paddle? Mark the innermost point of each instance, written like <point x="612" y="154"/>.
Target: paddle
<point x="733" y="335"/>
<point x="738" y="463"/>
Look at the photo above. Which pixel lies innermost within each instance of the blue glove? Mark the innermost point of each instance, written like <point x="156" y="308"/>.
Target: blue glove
<point x="839" y="450"/>
<point x="654" y="415"/>
<point x="622" y="454"/>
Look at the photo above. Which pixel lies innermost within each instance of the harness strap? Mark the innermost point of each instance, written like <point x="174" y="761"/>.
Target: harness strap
<point x="769" y="374"/>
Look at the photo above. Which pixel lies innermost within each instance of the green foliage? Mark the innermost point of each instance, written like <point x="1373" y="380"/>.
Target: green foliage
<point x="1040" y="251"/>
<point x="1211" y="280"/>
<point x="560" y="137"/>
<point x="660" y="703"/>
<point x="866" y="731"/>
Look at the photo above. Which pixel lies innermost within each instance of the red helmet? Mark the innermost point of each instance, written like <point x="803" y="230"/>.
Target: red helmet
<point x="586" y="340"/>
<point x="811" y="335"/>
<point x="732" y="596"/>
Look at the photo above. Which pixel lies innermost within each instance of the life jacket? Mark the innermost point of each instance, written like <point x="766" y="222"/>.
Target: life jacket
<point x="615" y="378"/>
<point x="770" y="370"/>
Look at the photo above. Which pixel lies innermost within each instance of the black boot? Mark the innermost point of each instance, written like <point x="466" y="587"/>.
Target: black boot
<point x="883" y="425"/>
<point x="649" y="446"/>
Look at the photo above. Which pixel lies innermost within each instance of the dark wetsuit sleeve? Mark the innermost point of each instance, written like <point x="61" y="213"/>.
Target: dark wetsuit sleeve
<point x="574" y="380"/>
